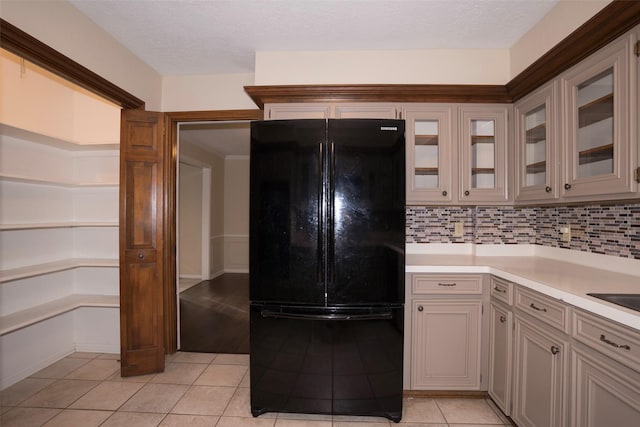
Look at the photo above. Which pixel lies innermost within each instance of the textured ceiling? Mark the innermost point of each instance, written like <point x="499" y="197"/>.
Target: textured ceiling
<point x="182" y="37"/>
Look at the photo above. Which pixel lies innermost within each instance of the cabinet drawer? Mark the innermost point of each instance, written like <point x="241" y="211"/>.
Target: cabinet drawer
<point x="609" y="338"/>
<point x="502" y="290"/>
<point x="446" y="284"/>
<point x="548" y="310"/>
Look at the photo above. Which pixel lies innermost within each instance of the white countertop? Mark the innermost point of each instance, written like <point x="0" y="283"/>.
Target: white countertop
<point x="559" y="273"/>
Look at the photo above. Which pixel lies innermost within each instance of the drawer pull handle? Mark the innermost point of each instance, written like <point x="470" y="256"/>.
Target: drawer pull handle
<point x="503" y="319"/>
<point x="497" y="289"/>
<point x="611" y="343"/>
<point x="555" y="349"/>
<point x="447" y="284"/>
<point x="532" y="305"/>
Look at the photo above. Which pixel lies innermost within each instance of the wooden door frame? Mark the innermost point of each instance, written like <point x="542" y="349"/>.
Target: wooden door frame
<point x="171" y="166"/>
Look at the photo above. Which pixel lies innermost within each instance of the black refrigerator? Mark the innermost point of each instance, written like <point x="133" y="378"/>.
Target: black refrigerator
<point x="326" y="260"/>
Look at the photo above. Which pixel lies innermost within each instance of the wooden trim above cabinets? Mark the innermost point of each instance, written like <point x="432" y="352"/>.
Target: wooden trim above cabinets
<point x="377" y="93"/>
<point x="33" y="50"/>
<point x="611" y="22"/>
<point x="614" y="20"/>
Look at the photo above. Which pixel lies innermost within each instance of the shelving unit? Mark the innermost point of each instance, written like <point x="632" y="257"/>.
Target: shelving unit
<point x="59" y="220"/>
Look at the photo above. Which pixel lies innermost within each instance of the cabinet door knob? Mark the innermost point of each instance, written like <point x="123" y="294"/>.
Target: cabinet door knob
<point x="140" y="256"/>
<point x="420" y="308"/>
<point x="567" y="186"/>
<point x="503" y="319"/>
<point x="547" y="189"/>
<point x="444" y="193"/>
<point x="555" y="349"/>
<point x="466" y="193"/>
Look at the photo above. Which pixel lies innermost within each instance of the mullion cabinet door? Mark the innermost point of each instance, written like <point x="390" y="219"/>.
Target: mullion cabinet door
<point x="429" y="139"/>
<point x="483" y="158"/>
<point x="600" y="107"/>
<point x="536" y="145"/>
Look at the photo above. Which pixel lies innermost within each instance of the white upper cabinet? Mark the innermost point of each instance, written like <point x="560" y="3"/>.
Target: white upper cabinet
<point x="600" y="118"/>
<point x="430" y="151"/>
<point x="483" y="153"/>
<point x="536" y="161"/>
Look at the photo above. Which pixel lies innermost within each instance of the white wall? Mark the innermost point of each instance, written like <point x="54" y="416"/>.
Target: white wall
<point x="561" y="21"/>
<point x="190" y="221"/>
<point x="209" y="92"/>
<point x="461" y="66"/>
<point x="236" y="214"/>
<point x="216" y="228"/>
<point x="65" y="29"/>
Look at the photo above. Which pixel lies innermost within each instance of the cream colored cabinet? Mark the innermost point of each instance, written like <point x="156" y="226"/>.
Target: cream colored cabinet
<point x="363" y="110"/>
<point x="600" y="123"/>
<point x="536" y="129"/>
<point x="456" y="153"/>
<point x="482" y="139"/>
<point x="430" y="150"/>
<point x="446" y="332"/>
<point x="604" y="393"/>
<point x="541" y="360"/>
<point x="606" y="375"/>
<point x="501" y="344"/>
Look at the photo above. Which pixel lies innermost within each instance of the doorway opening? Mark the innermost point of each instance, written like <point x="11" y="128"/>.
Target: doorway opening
<point x="212" y="226"/>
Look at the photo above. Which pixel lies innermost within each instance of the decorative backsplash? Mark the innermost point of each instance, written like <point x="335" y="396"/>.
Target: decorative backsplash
<point x="611" y="229"/>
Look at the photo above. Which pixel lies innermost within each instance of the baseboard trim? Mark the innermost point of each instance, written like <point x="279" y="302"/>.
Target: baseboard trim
<point x="443" y="394"/>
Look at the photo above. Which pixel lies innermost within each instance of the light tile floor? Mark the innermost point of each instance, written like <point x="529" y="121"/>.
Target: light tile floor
<point x="196" y="389"/>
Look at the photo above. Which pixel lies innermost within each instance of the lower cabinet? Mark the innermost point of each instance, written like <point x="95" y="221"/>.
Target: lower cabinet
<point x="540" y="387"/>
<point x="500" y="356"/>
<point x="446" y="344"/>
<point x="604" y="392"/>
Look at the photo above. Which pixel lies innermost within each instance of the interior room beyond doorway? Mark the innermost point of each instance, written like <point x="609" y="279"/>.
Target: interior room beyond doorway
<point x="212" y="261"/>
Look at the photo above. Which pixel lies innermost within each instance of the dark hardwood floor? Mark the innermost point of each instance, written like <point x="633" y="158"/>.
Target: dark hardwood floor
<point x="214" y="315"/>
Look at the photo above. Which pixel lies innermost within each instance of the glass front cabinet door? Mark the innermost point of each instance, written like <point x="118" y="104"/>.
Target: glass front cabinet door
<point x="429" y="153"/>
<point x="536" y="145"/>
<point x="483" y="160"/>
<point x="600" y="107"/>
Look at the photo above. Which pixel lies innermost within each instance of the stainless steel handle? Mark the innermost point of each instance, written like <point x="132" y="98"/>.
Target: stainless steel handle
<point x="567" y="186"/>
<point x="420" y="308"/>
<point x="497" y="289"/>
<point x="532" y="305"/>
<point x="555" y="349"/>
<point x="611" y="343"/>
<point x="447" y="284"/>
<point x="547" y="189"/>
<point x="503" y="319"/>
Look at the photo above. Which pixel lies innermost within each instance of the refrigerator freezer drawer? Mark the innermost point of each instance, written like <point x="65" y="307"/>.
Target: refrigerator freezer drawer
<point x="343" y="365"/>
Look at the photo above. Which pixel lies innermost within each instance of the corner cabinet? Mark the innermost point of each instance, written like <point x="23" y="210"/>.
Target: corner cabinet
<point x="536" y="129"/>
<point x="541" y="360"/>
<point x="501" y="344"/>
<point x="600" y="116"/>
<point x="457" y="153"/>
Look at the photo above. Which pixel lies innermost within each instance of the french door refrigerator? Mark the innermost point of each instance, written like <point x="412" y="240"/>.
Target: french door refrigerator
<point x="326" y="257"/>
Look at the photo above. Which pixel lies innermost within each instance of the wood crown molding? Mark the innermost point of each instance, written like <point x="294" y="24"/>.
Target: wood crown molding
<point x="611" y="22"/>
<point x="22" y="44"/>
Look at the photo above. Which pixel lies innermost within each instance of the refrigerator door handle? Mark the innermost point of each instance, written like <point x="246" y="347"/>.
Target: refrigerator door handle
<point x="385" y="315"/>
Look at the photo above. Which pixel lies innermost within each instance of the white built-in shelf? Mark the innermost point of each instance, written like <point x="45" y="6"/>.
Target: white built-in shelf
<point x="38" y="313"/>
<point x="75" y="224"/>
<point x="53" y="141"/>
<point x="54" y="183"/>
<point x="52" y="267"/>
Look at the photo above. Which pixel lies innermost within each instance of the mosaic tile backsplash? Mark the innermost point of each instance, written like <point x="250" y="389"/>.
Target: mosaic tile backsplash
<point x="610" y="229"/>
